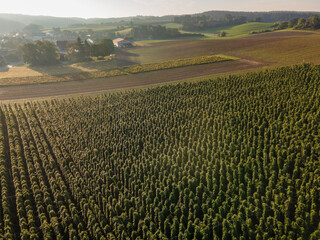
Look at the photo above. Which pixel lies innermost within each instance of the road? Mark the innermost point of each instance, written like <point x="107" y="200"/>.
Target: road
<point x="128" y="81"/>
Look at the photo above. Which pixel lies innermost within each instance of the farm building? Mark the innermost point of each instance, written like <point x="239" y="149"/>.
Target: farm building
<point x="120" y="42"/>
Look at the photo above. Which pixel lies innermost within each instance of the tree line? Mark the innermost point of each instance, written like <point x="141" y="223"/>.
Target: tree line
<point x="157" y="32"/>
<point x="272" y="16"/>
<point x="201" y="22"/>
<point x="311" y="23"/>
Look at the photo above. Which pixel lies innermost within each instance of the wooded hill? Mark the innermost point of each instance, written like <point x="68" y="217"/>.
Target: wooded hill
<point x="21" y="20"/>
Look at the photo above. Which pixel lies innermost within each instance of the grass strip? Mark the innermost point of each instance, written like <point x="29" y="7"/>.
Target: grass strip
<point x="177" y="63"/>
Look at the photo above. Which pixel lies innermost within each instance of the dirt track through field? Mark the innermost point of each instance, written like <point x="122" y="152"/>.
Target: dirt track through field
<point x="128" y="81"/>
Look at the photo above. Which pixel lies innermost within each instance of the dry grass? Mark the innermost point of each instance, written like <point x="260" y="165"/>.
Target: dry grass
<point x="16" y="72"/>
<point x="177" y="63"/>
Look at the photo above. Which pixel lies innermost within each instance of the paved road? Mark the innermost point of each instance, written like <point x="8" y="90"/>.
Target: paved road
<point x="134" y="80"/>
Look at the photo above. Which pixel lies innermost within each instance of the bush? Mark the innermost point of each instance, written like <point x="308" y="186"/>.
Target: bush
<point x="222" y="34"/>
<point x="3" y="62"/>
<point x="13" y="57"/>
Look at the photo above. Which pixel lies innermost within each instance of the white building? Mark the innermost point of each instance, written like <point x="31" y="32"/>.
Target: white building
<point x="120" y="42"/>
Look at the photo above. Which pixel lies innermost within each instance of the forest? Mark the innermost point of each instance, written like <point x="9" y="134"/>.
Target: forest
<point x="157" y="32"/>
<point x="272" y="16"/>
<point x="311" y="23"/>
<point x="201" y="22"/>
<point x="235" y="157"/>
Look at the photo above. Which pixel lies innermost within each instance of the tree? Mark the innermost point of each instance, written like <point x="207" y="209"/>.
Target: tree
<point x="222" y="34"/>
<point x="314" y="22"/>
<point x="32" y="28"/>
<point x="257" y="19"/>
<point x="14" y="57"/>
<point x="40" y="53"/>
<point x="77" y="51"/>
<point x="2" y="61"/>
<point x="293" y="22"/>
<point x="283" y="25"/>
<point x="104" y="48"/>
<point x="301" y="23"/>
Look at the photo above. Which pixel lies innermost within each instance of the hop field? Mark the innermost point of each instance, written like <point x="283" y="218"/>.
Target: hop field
<point x="230" y="158"/>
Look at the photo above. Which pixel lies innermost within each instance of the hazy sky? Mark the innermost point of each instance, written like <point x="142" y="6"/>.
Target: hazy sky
<point x="120" y="8"/>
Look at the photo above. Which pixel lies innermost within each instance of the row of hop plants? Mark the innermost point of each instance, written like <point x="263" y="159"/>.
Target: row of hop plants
<point x="55" y="214"/>
<point x="87" y="221"/>
<point x="29" y="226"/>
<point x="71" y="220"/>
<point x="7" y="230"/>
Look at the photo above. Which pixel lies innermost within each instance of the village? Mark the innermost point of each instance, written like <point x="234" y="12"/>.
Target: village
<point x="10" y="44"/>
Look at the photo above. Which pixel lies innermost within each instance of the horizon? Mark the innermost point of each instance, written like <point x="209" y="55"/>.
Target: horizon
<point x="131" y="8"/>
<point x="139" y="15"/>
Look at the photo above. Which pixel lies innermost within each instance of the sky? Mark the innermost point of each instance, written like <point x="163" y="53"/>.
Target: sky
<point x="123" y="8"/>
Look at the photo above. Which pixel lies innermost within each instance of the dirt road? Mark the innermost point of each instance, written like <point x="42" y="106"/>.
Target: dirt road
<point x="134" y="80"/>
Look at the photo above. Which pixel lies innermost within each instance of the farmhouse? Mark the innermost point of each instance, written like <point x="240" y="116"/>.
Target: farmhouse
<point x="120" y="42"/>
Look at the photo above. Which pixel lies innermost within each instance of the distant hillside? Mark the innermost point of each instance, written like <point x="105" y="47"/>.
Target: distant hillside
<point x="11" y="22"/>
<point x="45" y="21"/>
<point x="8" y="25"/>
<point x="273" y="16"/>
<point x="136" y="19"/>
<point x="49" y="22"/>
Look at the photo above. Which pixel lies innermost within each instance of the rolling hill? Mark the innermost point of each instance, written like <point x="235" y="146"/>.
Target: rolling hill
<point x="7" y="25"/>
<point x="17" y="21"/>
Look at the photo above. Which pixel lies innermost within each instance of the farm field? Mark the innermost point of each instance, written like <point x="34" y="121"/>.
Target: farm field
<point x="94" y="27"/>
<point x="237" y="31"/>
<point x="139" y="80"/>
<point x="103" y="69"/>
<point x="255" y="52"/>
<point x="241" y="30"/>
<point x="229" y="158"/>
<point x="24" y="71"/>
<point x="278" y="48"/>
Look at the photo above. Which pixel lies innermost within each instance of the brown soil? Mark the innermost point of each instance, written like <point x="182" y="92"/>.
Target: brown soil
<point x="193" y="48"/>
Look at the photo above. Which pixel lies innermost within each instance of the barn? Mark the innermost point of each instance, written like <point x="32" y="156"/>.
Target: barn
<point x="121" y="43"/>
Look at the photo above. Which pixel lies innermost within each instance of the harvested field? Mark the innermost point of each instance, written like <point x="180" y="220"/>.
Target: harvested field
<point x="281" y="48"/>
<point x="129" y="81"/>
